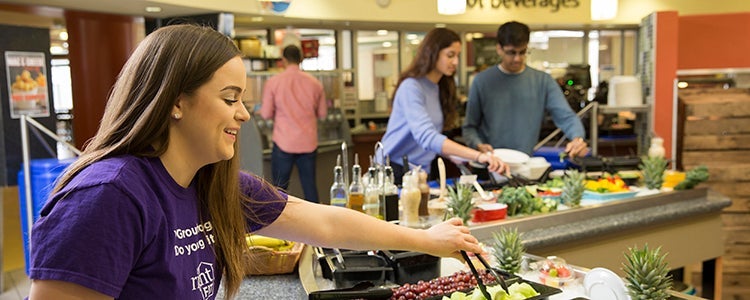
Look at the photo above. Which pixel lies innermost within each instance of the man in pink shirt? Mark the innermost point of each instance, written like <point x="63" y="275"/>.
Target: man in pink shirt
<point x="295" y="101"/>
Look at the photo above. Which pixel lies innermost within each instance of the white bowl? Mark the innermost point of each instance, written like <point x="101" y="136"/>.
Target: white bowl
<point x="601" y="283"/>
<point x="511" y="157"/>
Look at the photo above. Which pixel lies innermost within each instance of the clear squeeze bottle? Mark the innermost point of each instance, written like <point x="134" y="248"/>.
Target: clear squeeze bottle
<point x="338" y="188"/>
<point x="372" y="193"/>
<point x="410" y="198"/>
<point x="356" y="189"/>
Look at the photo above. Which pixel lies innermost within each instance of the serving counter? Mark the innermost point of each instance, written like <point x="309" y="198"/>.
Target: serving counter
<point x="686" y="224"/>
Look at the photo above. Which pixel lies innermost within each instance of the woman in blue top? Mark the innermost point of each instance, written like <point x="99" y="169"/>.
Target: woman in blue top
<point x="156" y="206"/>
<point x="425" y="105"/>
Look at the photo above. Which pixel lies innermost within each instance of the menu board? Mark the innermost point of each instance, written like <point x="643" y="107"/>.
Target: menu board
<point x="27" y="84"/>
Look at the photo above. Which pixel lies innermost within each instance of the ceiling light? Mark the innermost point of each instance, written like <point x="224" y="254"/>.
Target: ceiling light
<point x="153" y="9"/>
<point x="387" y="44"/>
<point x="603" y="9"/>
<point x="414" y="42"/>
<point x="63" y="35"/>
<point x="411" y="36"/>
<point x="451" y="7"/>
<point x="382" y="32"/>
<point x="256" y="19"/>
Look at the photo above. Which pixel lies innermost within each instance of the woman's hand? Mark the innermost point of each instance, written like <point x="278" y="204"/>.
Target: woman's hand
<point x="577" y="147"/>
<point x="494" y="163"/>
<point x="449" y="237"/>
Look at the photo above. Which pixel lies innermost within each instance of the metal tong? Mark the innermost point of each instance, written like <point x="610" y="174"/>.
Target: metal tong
<point x="498" y="277"/>
<point x="517" y="180"/>
<point x="478" y="277"/>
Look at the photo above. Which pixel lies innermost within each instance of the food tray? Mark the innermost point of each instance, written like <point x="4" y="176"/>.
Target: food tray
<point x="608" y="196"/>
<point x="544" y="291"/>
<point x="266" y="261"/>
<point x="411" y="267"/>
<point x="359" y="268"/>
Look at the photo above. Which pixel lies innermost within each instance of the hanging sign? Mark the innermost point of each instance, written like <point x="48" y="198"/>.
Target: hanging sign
<point x="27" y="84"/>
<point x="552" y="5"/>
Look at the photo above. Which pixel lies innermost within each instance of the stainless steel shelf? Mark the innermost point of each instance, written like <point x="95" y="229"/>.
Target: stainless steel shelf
<point x="604" y="109"/>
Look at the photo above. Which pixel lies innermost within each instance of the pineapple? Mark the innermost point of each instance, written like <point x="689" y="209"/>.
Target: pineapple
<point x="460" y="202"/>
<point x="647" y="274"/>
<point x="508" y="249"/>
<point x="653" y="168"/>
<point x="574" y="183"/>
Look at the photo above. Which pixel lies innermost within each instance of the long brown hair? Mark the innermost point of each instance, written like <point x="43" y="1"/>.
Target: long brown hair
<point x="173" y="60"/>
<point x="424" y="62"/>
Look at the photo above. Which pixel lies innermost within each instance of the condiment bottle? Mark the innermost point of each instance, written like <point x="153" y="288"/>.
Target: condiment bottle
<point x="657" y="147"/>
<point x="356" y="189"/>
<point x="410" y="199"/>
<point x="338" y="188"/>
<point x="424" y="191"/>
<point x="371" y="205"/>
<point x="391" y="194"/>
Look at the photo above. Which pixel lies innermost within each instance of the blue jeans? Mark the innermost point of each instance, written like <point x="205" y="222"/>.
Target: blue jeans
<point x="281" y="169"/>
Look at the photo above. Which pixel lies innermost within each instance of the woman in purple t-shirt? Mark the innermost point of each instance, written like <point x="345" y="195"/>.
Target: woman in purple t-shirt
<point x="156" y="207"/>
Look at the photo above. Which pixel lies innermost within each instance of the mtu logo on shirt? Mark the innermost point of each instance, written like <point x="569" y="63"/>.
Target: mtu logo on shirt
<point x="204" y="281"/>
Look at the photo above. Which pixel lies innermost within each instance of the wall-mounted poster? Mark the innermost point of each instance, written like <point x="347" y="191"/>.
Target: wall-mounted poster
<point x="27" y="84"/>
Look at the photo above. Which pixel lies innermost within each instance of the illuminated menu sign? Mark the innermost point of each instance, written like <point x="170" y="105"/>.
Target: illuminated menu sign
<point x="27" y="84"/>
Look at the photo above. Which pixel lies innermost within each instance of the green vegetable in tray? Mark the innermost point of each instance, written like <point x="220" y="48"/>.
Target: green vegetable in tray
<point x="520" y="201"/>
<point x="516" y="291"/>
<point x="556" y="182"/>
<point x="693" y="177"/>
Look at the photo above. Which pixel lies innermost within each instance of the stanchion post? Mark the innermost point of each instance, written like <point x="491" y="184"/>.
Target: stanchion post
<point x="27" y="178"/>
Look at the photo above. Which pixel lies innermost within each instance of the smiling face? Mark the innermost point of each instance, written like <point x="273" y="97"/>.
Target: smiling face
<point x="448" y="59"/>
<point x="209" y="119"/>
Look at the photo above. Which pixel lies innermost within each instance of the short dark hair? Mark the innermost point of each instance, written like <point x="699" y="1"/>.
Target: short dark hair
<point x="513" y="34"/>
<point x="293" y="54"/>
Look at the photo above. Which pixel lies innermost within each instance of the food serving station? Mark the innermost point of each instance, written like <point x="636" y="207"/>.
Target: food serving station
<point x="595" y="235"/>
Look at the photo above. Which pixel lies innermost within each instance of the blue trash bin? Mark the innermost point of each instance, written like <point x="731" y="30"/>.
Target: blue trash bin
<point x="44" y="173"/>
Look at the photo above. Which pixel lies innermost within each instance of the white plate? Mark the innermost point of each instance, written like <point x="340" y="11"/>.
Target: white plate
<point x="511" y="156"/>
<point x="601" y="283"/>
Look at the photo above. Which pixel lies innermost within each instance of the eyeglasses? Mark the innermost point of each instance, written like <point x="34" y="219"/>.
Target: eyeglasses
<point x="521" y="53"/>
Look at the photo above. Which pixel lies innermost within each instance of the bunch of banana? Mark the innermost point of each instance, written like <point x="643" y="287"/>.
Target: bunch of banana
<point x="275" y="244"/>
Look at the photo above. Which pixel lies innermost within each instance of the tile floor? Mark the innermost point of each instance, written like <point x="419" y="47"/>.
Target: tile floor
<point x="16" y="285"/>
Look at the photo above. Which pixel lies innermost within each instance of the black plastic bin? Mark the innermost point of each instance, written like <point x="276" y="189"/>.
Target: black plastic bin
<point x="411" y="267"/>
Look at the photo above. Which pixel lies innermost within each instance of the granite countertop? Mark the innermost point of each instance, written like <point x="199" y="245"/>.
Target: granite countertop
<point x="269" y="287"/>
<point x="597" y="226"/>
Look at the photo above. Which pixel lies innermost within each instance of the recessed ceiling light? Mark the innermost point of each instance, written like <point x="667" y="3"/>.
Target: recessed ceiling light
<point x="153" y="9"/>
<point x="382" y="32"/>
<point x="440" y="25"/>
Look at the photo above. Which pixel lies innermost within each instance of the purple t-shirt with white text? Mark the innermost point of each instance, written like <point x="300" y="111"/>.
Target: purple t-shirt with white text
<point x="125" y="228"/>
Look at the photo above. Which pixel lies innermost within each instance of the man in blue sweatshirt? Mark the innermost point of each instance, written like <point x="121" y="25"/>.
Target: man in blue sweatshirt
<point x="507" y="103"/>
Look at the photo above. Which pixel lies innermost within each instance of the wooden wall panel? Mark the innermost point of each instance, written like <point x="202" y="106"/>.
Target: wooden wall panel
<point x="715" y="128"/>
